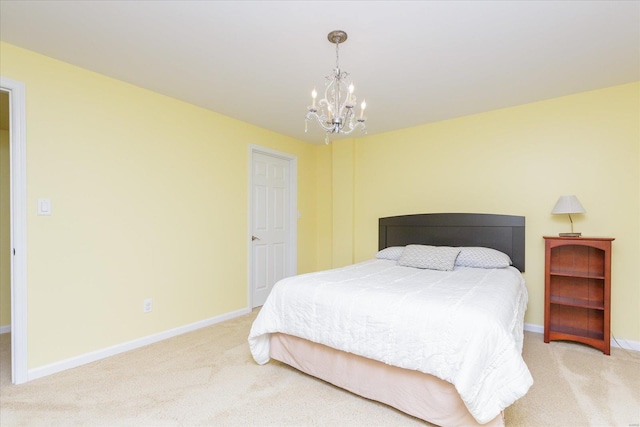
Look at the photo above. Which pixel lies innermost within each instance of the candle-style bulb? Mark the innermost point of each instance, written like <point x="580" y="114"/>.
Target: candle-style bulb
<point x="314" y="94"/>
<point x="350" y="96"/>
<point x="363" y="106"/>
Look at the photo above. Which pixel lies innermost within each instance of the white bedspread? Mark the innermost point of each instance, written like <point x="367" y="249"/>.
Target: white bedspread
<point x="463" y="326"/>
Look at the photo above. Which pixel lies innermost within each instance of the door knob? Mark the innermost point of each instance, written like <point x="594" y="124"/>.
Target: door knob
<point x="254" y="238"/>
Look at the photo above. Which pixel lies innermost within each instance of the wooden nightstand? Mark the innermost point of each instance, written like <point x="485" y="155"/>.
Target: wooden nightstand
<point x="577" y="290"/>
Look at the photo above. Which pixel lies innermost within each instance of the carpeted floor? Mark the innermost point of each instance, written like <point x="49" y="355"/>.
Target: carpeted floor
<point x="208" y="378"/>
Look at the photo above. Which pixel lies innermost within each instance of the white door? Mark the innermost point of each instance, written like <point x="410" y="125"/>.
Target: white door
<point x="272" y="223"/>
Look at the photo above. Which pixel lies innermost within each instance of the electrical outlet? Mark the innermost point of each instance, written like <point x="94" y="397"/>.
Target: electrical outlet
<point x="147" y="305"/>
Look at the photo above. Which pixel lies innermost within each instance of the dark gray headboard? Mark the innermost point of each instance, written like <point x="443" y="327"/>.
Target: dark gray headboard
<point x="502" y="232"/>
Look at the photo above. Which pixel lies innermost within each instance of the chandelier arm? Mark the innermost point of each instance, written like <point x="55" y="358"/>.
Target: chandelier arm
<point x="326" y="100"/>
<point x="345" y="103"/>
<point x="321" y="121"/>
<point x="352" y="128"/>
<point x="331" y="127"/>
<point x="326" y="118"/>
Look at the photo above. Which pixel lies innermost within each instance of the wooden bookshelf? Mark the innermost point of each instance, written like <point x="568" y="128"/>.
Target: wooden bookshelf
<point x="577" y="291"/>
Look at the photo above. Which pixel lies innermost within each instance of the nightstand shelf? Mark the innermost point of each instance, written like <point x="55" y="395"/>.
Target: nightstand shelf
<point x="577" y="302"/>
<point x="575" y="275"/>
<point x="571" y="333"/>
<point x="578" y="290"/>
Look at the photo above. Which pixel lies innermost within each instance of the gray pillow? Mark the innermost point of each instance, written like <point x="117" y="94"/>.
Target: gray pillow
<point x="392" y="253"/>
<point x="432" y="257"/>
<point x="479" y="257"/>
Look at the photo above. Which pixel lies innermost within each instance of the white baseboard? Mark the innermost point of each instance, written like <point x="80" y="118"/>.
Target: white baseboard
<point x="5" y="329"/>
<point x="130" y="345"/>
<point x="615" y="341"/>
<point x="141" y="342"/>
<point x="538" y="329"/>
<point x="625" y="344"/>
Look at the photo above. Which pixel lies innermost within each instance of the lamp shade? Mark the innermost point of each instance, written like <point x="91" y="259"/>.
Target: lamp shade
<point x="567" y="205"/>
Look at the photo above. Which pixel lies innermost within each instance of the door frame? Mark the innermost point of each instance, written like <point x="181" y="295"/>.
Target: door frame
<point x="18" y="220"/>
<point x="293" y="212"/>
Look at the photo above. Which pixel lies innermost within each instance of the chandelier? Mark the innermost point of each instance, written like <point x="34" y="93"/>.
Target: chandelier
<point x="335" y="112"/>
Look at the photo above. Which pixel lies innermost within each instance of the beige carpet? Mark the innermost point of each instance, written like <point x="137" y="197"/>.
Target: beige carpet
<point x="208" y="378"/>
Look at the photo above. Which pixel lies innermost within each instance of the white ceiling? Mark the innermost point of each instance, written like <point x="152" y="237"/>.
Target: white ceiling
<point x="415" y="62"/>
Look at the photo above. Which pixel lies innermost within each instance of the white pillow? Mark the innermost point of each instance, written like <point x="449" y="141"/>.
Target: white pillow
<point x="482" y="258"/>
<point x="392" y="253"/>
<point x="431" y="257"/>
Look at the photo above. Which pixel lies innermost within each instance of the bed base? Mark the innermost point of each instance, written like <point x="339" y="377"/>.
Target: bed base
<point x="415" y="393"/>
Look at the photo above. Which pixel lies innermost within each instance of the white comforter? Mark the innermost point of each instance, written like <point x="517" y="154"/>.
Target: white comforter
<point x="463" y="326"/>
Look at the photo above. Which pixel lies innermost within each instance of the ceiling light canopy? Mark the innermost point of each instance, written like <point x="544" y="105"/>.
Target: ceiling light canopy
<point x="335" y="112"/>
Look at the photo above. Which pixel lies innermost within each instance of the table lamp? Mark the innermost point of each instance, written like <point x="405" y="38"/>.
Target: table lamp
<point x="568" y="205"/>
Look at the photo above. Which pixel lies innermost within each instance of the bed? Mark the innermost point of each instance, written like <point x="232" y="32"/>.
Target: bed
<point x="441" y="341"/>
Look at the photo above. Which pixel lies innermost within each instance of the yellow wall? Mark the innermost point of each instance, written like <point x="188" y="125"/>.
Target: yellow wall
<point x="5" y="236"/>
<point x="342" y="202"/>
<point x="149" y="200"/>
<point x="324" y="203"/>
<point x="514" y="161"/>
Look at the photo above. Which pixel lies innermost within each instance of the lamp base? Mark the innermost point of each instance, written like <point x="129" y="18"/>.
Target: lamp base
<point x="570" y="234"/>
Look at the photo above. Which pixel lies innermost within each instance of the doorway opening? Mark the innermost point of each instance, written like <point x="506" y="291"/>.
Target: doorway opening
<point x="15" y="92"/>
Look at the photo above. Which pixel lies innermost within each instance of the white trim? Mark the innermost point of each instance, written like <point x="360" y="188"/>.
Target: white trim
<point x="83" y="359"/>
<point x="538" y="329"/>
<point x="6" y="329"/>
<point x="293" y="211"/>
<point x="18" y="201"/>
<point x="93" y="356"/>
<point x="625" y="344"/>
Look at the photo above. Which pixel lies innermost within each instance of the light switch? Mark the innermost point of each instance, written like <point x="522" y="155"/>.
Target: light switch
<point x="44" y="206"/>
